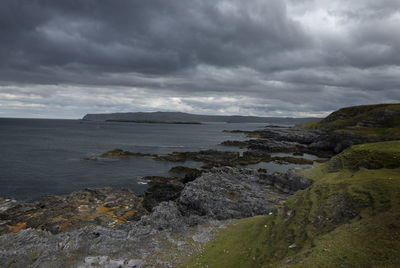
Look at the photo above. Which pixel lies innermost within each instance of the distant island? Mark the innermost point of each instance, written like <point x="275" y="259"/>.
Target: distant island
<point x="153" y="122"/>
<point x="186" y="118"/>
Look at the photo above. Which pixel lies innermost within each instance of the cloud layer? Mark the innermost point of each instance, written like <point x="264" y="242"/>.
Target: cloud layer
<point x="258" y="57"/>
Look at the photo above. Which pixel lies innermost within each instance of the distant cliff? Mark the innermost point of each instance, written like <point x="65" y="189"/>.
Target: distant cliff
<point x="185" y="117"/>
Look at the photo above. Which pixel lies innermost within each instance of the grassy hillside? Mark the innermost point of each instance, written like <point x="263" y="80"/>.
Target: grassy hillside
<point x="349" y="217"/>
<point x="379" y="121"/>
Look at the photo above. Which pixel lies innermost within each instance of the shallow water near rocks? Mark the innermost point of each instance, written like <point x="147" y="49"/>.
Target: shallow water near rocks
<point x="39" y="157"/>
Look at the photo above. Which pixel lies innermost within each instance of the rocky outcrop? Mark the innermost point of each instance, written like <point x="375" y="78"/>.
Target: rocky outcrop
<point x="270" y="140"/>
<point x="190" y="174"/>
<point x="160" y="192"/>
<point x="259" y="152"/>
<point x="207" y="156"/>
<point x="105" y="207"/>
<point x="122" y="153"/>
<point x="317" y="142"/>
<point x="336" y="142"/>
<point x="173" y="230"/>
<point x="289" y="135"/>
<point x="225" y="194"/>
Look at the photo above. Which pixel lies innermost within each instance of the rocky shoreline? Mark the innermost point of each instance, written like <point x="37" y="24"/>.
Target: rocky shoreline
<point x="183" y="223"/>
<point x="319" y="142"/>
<point x="176" y="215"/>
<point x="294" y="142"/>
<point x="62" y="213"/>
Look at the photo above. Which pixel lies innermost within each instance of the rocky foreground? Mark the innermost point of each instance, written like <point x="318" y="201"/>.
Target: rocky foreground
<point x="180" y="226"/>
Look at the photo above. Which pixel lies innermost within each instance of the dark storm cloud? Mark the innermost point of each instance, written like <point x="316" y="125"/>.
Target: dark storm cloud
<point x="142" y="36"/>
<point x="256" y="57"/>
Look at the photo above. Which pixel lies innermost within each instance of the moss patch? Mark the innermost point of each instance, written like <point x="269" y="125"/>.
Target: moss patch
<point x="370" y="156"/>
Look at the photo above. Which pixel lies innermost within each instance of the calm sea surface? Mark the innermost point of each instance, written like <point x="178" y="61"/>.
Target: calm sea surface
<point x="41" y="157"/>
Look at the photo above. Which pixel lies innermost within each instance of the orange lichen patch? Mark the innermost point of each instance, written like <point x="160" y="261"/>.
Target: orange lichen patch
<point x="37" y="214"/>
<point x="103" y="209"/>
<point x="88" y="214"/>
<point x="129" y="213"/>
<point x="57" y="219"/>
<point x="64" y="225"/>
<point x="83" y="208"/>
<point x="109" y="212"/>
<point x="18" y="227"/>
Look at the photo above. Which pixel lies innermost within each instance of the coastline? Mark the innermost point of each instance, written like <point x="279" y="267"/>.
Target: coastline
<point x="153" y="122"/>
<point x="181" y="216"/>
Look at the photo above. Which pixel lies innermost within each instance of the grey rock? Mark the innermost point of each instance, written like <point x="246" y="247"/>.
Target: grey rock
<point x="172" y="231"/>
<point x="323" y="142"/>
<point x="288" y="183"/>
<point x="70" y="212"/>
<point x="6" y="203"/>
<point x="226" y="193"/>
<point x="290" y="135"/>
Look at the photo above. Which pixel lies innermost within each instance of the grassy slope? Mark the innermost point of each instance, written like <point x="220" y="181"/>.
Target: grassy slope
<point x="353" y="120"/>
<point x="348" y="218"/>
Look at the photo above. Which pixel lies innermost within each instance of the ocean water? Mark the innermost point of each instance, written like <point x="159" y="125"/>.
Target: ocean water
<point x="39" y="157"/>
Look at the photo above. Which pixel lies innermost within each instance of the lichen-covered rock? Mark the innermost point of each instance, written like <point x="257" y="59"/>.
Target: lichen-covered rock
<point x="227" y="193"/>
<point x="161" y="239"/>
<point x="105" y="207"/>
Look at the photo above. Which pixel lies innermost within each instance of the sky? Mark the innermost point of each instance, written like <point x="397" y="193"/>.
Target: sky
<point x="63" y="59"/>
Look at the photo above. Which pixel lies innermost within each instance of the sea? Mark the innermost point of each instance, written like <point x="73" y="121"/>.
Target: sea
<point x="41" y="157"/>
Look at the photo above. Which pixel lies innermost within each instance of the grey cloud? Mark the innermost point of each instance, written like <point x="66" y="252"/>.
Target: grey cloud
<point x="145" y="36"/>
<point x="274" y="55"/>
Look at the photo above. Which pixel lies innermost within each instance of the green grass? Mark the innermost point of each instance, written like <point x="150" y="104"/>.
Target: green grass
<point x="376" y="121"/>
<point x="354" y="114"/>
<point x="370" y="155"/>
<point x="234" y="247"/>
<point x="349" y="217"/>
